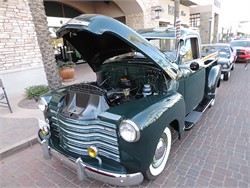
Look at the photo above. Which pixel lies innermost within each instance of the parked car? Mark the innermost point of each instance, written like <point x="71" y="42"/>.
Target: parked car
<point x="242" y="48"/>
<point x="118" y="129"/>
<point x="226" y="54"/>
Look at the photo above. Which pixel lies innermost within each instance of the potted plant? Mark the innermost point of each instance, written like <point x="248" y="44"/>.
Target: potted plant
<point x="66" y="70"/>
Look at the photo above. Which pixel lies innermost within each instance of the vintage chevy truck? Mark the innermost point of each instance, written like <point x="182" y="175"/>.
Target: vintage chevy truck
<point x="119" y="128"/>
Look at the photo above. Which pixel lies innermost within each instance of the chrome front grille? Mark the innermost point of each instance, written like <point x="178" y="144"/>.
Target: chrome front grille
<point x="53" y="121"/>
<point x="76" y="136"/>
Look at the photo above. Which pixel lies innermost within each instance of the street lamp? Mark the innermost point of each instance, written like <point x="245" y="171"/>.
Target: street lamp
<point x="210" y="26"/>
<point x="157" y="10"/>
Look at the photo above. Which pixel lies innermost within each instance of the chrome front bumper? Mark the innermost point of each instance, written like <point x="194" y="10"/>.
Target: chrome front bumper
<point x="84" y="171"/>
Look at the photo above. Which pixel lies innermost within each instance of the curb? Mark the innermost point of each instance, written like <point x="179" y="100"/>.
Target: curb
<point x="22" y="145"/>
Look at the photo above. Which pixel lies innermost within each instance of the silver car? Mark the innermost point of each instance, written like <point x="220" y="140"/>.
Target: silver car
<point x="226" y="54"/>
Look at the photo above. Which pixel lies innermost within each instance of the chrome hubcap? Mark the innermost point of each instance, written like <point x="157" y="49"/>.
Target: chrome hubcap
<point x="159" y="153"/>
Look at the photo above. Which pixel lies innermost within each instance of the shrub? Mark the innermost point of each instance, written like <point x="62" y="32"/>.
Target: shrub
<point x="68" y="64"/>
<point x="36" y="91"/>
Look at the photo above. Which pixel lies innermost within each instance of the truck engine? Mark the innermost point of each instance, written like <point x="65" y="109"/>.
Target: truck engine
<point x="115" y="85"/>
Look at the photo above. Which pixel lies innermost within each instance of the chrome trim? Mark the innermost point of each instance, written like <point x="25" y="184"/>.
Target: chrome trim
<point x="84" y="171"/>
<point x="108" y="126"/>
<point x="83" y="151"/>
<point x="54" y="118"/>
<point x="90" y="142"/>
<point x="45" y="147"/>
<point x="77" y="137"/>
<point x="52" y="111"/>
<point x="46" y="153"/>
<point x="43" y="102"/>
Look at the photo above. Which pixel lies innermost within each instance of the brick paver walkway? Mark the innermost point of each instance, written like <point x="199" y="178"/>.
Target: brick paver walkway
<point x="215" y="153"/>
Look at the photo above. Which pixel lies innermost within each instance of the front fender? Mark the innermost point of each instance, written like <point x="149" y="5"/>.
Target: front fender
<point x="152" y="122"/>
<point x="213" y="80"/>
<point x="163" y="107"/>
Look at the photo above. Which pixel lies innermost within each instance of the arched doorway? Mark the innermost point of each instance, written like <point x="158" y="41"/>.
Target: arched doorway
<point x="116" y="9"/>
<point x="60" y="11"/>
<point x="57" y="14"/>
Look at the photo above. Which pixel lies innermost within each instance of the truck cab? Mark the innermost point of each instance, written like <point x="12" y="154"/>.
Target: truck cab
<point x="193" y="69"/>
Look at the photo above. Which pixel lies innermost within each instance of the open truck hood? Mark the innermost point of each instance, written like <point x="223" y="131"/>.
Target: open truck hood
<point x="166" y="33"/>
<point x="98" y="38"/>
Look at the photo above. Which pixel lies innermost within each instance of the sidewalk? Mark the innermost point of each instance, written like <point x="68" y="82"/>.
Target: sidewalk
<point x="18" y="130"/>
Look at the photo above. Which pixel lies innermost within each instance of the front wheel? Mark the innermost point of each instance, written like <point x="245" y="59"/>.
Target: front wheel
<point x="227" y="76"/>
<point x="161" y="155"/>
<point x="233" y="66"/>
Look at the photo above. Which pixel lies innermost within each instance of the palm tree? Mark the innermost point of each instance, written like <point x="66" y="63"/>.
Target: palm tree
<point x="176" y="11"/>
<point x="44" y="41"/>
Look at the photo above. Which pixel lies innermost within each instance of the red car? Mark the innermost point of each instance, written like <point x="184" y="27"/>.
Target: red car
<point x="242" y="48"/>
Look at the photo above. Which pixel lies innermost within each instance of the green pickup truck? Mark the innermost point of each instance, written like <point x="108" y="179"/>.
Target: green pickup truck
<point x="119" y="128"/>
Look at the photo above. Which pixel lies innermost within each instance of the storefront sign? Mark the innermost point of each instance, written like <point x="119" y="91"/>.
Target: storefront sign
<point x="171" y="10"/>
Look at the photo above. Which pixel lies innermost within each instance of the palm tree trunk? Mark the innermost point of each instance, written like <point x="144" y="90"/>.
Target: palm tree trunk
<point x="176" y="10"/>
<point x="44" y="42"/>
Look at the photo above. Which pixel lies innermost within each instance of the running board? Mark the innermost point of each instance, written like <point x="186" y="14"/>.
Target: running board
<point x="191" y="119"/>
<point x="194" y="116"/>
<point x="202" y="107"/>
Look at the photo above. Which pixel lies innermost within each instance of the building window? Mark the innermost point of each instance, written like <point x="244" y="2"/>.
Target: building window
<point x="195" y="20"/>
<point x="56" y="9"/>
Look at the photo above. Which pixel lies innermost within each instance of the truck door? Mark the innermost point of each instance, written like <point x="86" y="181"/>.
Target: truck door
<point x="194" y="81"/>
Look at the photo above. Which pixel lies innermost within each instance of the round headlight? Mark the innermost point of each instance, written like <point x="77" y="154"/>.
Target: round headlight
<point x="129" y="131"/>
<point x="43" y="104"/>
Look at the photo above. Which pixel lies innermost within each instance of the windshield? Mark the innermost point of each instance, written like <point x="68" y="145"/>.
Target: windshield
<point x="167" y="46"/>
<point x="222" y="50"/>
<point x="240" y="43"/>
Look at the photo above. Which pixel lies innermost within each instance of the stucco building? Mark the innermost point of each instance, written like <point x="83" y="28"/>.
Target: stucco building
<point x="23" y="34"/>
<point x="206" y="19"/>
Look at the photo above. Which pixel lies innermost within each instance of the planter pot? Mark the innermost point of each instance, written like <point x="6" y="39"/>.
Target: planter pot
<point x="67" y="74"/>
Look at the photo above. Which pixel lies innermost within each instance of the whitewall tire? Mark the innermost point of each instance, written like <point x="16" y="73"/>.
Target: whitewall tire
<point x="161" y="155"/>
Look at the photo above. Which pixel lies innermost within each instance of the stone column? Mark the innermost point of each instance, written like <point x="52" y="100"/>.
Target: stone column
<point x="44" y="41"/>
<point x="21" y="62"/>
<point x="144" y="19"/>
<point x="204" y="27"/>
<point x="216" y="28"/>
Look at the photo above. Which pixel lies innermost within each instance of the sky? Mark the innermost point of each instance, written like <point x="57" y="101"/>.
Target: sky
<point x="235" y="10"/>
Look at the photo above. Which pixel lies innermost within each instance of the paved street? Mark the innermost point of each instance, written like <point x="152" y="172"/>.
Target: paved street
<point x="215" y="153"/>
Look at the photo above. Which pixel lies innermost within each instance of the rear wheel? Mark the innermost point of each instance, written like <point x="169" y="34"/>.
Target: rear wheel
<point x="161" y="155"/>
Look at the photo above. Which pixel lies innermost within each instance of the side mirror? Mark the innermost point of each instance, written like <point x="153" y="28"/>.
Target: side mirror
<point x="194" y="66"/>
